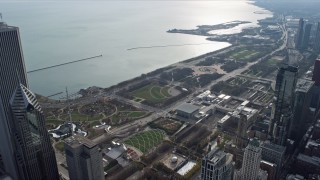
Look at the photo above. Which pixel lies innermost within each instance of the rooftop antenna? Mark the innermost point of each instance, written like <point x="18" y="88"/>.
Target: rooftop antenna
<point x="1" y="17"/>
<point x="69" y="112"/>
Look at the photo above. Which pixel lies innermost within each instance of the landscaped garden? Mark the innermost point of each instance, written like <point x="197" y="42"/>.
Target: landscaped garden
<point x="146" y="140"/>
<point x="170" y="126"/>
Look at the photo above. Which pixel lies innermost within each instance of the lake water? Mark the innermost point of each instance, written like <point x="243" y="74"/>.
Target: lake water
<point x="57" y="32"/>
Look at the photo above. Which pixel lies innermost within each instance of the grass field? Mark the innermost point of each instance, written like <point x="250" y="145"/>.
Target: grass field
<point x="81" y="117"/>
<point x="136" y="114"/>
<point x="146" y="140"/>
<point x="273" y="62"/>
<point x="152" y="92"/>
<point x="244" y="55"/>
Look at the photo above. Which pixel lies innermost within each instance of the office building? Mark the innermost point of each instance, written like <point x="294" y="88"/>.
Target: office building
<point x="316" y="72"/>
<point x="316" y="45"/>
<point x="250" y="169"/>
<point x="217" y="165"/>
<point x="35" y="157"/>
<point x="25" y="143"/>
<point x="282" y="107"/>
<point x="306" y="36"/>
<point x="273" y="153"/>
<point x="11" y="51"/>
<point x="299" y="36"/>
<point x="84" y="159"/>
<point x="303" y="95"/>
<point x="315" y="102"/>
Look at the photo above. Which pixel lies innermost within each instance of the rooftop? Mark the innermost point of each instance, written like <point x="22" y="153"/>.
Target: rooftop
<point x="310" y="159"/>
<point x="273" y="147"/>
<point x="304" y="85"/>
<point x="188" y="108"/>
<point x="76" y="141"/>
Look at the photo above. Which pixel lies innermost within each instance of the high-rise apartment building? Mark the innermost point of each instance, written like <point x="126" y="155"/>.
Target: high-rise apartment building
<point x="299" y="36"/>
<point x="306" y="36"/>
<point x="282" y="107"/>
<point x="217" y="165"/>
<point x="316" y="46"/>
<point x="25" y="144"/>
<point x="84" y="159"/>
<point x="250" y="169"/>
<point x="302" y="101"/>
<point x="35" y="157"/>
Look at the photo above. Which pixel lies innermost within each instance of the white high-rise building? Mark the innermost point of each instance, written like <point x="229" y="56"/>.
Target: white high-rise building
<point x="251" y="163"/>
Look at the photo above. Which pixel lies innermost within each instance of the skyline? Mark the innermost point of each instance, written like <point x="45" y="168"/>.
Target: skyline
<point x="247" y="109"/>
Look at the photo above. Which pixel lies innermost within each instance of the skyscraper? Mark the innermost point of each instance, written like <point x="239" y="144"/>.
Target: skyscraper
<point x="282" y="107"/>
<point x="306" y="36"/>
<point x="217" y="165"/>
<point x="299" y="36"/>
<point x="83" y="159"/>
<point x="11" y="70"/>
<point x="316" y="46"/>
<point x="302" y="101"/>
<point x="315" y="102"/>
<point x="35" y="156"/>
<point x="316" y="72"/>
<point x="25" y="144"/>
<point x="251" y="163"/>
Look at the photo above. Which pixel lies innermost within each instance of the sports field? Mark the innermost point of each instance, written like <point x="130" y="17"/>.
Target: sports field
<point x="146" y="140"/>
<point x="152" y="92"/>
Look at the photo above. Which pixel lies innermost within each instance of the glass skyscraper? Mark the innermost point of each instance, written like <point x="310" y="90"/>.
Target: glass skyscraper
<point x="26" y="151"/>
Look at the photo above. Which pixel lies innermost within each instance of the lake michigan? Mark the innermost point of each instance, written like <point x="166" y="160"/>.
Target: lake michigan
<point x="54" y="32"/>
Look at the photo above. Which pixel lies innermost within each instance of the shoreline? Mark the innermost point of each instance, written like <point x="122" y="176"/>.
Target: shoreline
<point x="158" y="70"/>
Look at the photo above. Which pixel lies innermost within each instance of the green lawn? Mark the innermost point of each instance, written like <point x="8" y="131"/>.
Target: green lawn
<point x="136" y="114"/>
<point x="152" y="92"/>
<point x="244" y="55"/>
<point x="146" y="140"/>
<point x="165" y="91"/>
<point x="54" y="122"/>
<point x="60" y="146"/>
<point x="81" y="117"/>
<point x="273" y="62"/>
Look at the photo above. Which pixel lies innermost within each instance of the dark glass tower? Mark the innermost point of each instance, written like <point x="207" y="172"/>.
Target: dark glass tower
<point x="299" y="37"/>
<point x="35" y="155"/>
<point x="306" y="36"/>
<point x="25" y="146"/>
<point x="316" y="46"/>
<point x="283" y="103"/>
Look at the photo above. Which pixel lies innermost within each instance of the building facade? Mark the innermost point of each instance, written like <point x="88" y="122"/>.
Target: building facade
<point x="273" y="153"/>
<point x="316" y="45"/>
<point x="25" y="143"/>
<point x="303" y="95"/>
<point x="251" y="163"/>
<point x="283" y="103"/>
<point x="217" y="165"/>
<point x="35" y="156"/>
<point x="84" y="159"/>
<point x="306" y="36"/>
<point x="299" y="36"/>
